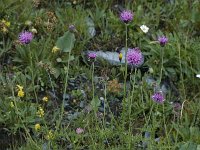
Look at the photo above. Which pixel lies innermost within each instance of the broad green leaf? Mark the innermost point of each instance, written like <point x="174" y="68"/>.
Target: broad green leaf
<point x="66" y="42"/>
<point x="188" y="146"/>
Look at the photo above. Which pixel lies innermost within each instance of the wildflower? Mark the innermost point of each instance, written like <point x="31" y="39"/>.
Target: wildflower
<point x="92" y="55"/>
<point x="162" y="40"/>
<point x="55" y="49"/>
<point x="40" y="112"/>
<point x="4" y="30"/>
<point x="12" y="104"/>
<point x="198" y="75"/>
<point x="158" y="97"/>
<point x="20" y="91"/>
<point x="37" y="127"/>
<point x="79" y="130"/>
<point x="45" y="99"/>
<point x="126" y="16"/>
<point x="34" y="31"/>
<point x="4" y="25"/>
<point x="20" y="87"/>
<point x="72" y="28"/>
<point x="25" y="37"/>
<point x="50" y="135"/>
<point x="120" y="57"/>
<point x="144" y="28"/>
<point x="135" y="57"/>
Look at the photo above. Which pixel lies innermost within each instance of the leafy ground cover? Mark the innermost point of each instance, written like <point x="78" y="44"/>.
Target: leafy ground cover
<point x="59" y="89"/>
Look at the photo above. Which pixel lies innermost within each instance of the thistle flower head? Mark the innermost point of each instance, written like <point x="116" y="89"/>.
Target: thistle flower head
<point x="92" y="55"/>
<point x="162" y="40"/>
<point x="135" y="57"/>
<point x="126" y="16"/>
<point x="158" y="97"/>
<point x="25" y="37"/>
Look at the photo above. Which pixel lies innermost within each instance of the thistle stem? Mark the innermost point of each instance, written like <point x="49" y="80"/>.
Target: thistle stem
<point x="161" y="70"/>
<point x="126" y="64"/>
<point x="92" y="80"/>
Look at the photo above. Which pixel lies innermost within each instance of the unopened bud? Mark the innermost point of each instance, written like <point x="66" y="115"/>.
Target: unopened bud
<point x="120" y="57"/>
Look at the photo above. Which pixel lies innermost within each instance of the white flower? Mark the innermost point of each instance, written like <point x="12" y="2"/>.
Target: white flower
<point x="198" y="75"/>
<point x="144" y="28"/>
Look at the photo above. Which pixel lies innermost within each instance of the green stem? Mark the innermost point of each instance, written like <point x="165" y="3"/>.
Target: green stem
<point x="179" y="56"/>
<point x="165" y="124"/>
<point x="32" y="75"/>
<point x="53" y="90"/>
<point x="161" y="55"/>
<point x="92" y="80"/>
<point x="130" y="106"/>
<point x="126" y="64"/>
<point x="125" y="78"/>
<point x="65" y="88"/>
<point x="132" y="93"/>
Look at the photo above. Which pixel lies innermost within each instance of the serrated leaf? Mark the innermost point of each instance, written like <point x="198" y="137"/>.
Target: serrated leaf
<point x="66" y="42"/>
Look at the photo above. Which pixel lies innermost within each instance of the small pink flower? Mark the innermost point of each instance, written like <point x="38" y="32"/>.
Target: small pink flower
<point x="79" y="130"/>
<point x="92" y="55"/>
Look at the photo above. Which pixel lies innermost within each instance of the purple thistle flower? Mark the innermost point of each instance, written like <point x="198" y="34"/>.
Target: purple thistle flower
<point x="126" y="16"/>
<point x="162" y="40"/>
<point x="158" y="97"/>
<point x="92" y="55"/>
<point x="135" y="57"/>
<point x="25" y="37"/>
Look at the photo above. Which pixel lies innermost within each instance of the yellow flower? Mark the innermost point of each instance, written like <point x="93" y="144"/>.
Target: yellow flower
<point x="50" y="135"/>
<point x="37" y="127"/>
<point x="20" y="93"/>
<point x="4" y="30"/>
<point x="6" y="23"/>
<point x="20" y="87"/>
<point x="55" y="49"/>
<point x="40" y="112"/>
<point x="12" y="104"/>
<point x="45" y="99"/>
<point x="120" y="57"/>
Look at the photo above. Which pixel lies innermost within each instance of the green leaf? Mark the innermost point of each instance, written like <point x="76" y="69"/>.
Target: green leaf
<point x="66" y="42"/>
<point x="95" y="103"/>
<point x="188" y="146"/>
